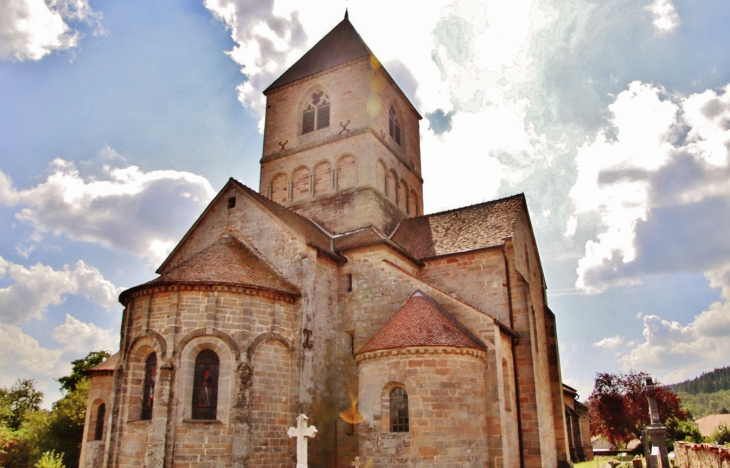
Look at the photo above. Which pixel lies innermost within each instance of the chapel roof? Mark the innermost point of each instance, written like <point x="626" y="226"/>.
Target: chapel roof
<point x="462" y="229"/>
<point x="422" y="322"/>
<point x="341" y="45"/>
<point x="225" y="261"/>
<point x="107" y="366"/>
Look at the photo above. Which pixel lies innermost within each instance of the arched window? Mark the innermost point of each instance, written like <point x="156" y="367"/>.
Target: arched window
<point x="398" y="410"/>
<point x="148" y="395"/>
<point x="316" y="112"/>
<point x="99" y="429"/>
<point x="394" y="125"/>
<point x="205" y="385"/>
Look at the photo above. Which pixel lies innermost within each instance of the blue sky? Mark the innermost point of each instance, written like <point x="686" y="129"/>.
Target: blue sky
<point x="119" y="121"/>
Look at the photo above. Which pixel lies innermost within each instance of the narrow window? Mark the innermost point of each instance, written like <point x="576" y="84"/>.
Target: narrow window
<point x="148" y="396"/>
<point x="349" y="282"/>
<point x="205" y="385"/>
<point x="394" y="125"/>
<point x="398" y="410"/>
<point x="316" y="113"/>
<point x="99" y="429"/>
<point x="231" y="202"/>
<point x="506" y="386"/>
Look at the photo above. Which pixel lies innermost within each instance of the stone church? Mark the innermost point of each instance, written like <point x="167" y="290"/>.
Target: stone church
<point x="408" y="340"/>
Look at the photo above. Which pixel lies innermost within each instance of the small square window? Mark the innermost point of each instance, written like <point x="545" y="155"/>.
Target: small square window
<point x="231" y="202"/>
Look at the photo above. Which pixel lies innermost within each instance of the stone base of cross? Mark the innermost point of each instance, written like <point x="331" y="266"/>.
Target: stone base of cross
<point x="300" y="432"/>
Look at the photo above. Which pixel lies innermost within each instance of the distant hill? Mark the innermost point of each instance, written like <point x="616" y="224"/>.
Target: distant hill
<point x="708" y="382"/>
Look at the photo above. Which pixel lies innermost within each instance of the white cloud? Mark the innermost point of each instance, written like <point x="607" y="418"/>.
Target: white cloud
<point x="609" y="342"/>
<point x="32" y="29"/>
<point x="665" y="15"/>
<point x="80" y="337"/>
<point x="39" y="286"/>
<point x="23" y="355"/>
<point x="156" y="206"/>
<point x="675" y="351"/>
<point x="662" y="153"/>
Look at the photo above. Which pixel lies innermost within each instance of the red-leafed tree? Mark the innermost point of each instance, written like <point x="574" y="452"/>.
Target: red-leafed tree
<point x="619" y="407"/>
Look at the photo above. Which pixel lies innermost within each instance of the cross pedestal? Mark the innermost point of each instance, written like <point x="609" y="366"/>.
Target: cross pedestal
<point x="300" y="432"/>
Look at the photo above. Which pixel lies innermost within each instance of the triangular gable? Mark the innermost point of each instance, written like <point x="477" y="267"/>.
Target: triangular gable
<point x="313" y="234"/>
<point x="422" y="322"/>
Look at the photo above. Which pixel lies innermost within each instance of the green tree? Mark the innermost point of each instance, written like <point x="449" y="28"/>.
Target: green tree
<point x="17" y="401"/>
<point x="50" y="460"/>
<point x="721" y="434"/>
<point x="682" y="430"/>
<point x="79" y="366"/>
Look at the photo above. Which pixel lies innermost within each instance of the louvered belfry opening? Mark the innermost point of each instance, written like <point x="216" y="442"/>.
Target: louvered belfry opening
<point x="316" y="113"/>
<point x="394" y="125"/>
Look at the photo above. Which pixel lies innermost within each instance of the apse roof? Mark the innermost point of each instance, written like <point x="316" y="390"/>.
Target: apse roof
<point x="107" y="366"/>
<point x="341" y="45"/>
<point x="421" y="322"/>
<point x="469" y="228"/>
<point x="226" y="261"/>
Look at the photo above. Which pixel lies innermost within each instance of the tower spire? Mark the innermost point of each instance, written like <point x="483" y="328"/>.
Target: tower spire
<point x="346" y="15"/>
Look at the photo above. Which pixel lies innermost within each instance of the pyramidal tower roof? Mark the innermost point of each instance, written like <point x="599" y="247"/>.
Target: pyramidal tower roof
<point x="421" y="322"/>
<point x="341" y="45"/>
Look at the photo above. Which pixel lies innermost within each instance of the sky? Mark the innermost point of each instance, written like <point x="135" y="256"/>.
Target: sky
<point x="120" y="121"/>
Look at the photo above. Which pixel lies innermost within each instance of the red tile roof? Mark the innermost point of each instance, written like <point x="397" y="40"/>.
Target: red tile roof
<point x="421" y="322"/>
<point x="341" y="45"/>
<point x="469" y="228"/>
<point x="226" y="261"/>
<point x="107" y="366"/>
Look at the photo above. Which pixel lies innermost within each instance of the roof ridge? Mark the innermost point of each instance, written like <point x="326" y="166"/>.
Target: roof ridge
<point x="450" y="210"/>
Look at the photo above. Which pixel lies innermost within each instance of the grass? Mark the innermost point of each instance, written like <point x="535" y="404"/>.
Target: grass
<point x="600" y="461"/>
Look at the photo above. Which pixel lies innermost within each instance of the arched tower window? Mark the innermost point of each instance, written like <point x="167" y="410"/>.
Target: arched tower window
<point x="99" y="429"/>
<point x="205" y="385"/>
<point x="394" y="125"/>
<point x="148" y="395"/>
<point x="316" y="112"/>
<point x="398" y="410"/>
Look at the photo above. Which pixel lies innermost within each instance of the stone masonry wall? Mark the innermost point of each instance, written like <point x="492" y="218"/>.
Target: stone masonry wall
<point x="476" y="277"/>
<point x="691" y="455"/>
<point x="100" y="391"/>
<point x="445" y="407"/>
<point x="271" y="407"/>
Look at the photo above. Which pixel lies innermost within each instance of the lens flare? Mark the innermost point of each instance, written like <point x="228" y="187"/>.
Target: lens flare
<point x="351" y="415"/>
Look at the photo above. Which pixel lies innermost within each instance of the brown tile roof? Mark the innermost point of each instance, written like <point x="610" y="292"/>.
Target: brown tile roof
<point x="708" y="424"/>
<point x="341" y="45"/>
<point x="226" y="261"/>
<point x="421" y="322"/>
<point x="107" y="366"/>
<point x="469" y="228"/>
<point x="366" y="237"/>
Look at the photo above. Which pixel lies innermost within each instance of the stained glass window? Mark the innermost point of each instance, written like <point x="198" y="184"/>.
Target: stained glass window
<point x="316" y="113"/>
<point x="205" y="385"/>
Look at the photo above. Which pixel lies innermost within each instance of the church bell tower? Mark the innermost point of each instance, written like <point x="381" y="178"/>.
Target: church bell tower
<point x="341" y="140"/>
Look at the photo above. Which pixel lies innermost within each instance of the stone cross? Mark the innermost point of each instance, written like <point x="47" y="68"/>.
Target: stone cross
<point x="300" y="432"/>
<point x="656" y="430"/>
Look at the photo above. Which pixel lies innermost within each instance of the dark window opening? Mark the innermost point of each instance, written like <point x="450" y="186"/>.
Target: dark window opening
<point x="349" y="282"/>
<point x="394" y="125"/>
<point x="99" y="429"/>
<point x="398" y="410"/>
<point x="205" y="385"/>
<point x="231" y="202"/>
<point x="148" y="395"/>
